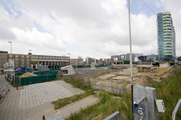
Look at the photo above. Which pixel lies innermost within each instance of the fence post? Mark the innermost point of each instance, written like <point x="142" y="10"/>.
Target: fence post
<point x="122" y="87"/>
<point x="117" y="86"/>
<point x="96" y="83"/>
<point x="37" y="79"/>
<point x="111" y="84"/>
<point x="153" y="76"/>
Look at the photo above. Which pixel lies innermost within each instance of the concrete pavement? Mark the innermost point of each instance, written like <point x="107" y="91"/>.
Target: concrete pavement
<point x="33" y="101"/>
<point x="2" y="81"/>
<point x="75" y="107"/>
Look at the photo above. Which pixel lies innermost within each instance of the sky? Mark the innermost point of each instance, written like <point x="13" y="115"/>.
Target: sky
<point x="84" y="28"/>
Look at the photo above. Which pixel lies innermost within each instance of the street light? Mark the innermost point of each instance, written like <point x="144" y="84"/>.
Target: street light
<point x="130" y="57"/>
<point x="11" y="45"/>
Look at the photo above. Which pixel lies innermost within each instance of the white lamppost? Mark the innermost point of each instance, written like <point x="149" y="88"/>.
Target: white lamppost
<point x="69" y="58"/>
<point x="130" y="56"/>
<point x="11" y="45"/>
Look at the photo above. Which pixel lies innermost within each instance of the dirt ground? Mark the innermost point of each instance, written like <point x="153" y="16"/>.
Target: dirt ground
<point x="121" y="79"/>
<point x="88" y="72"/>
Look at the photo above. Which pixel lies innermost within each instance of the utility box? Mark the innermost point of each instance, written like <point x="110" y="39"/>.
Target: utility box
<point x="147" y="109"/>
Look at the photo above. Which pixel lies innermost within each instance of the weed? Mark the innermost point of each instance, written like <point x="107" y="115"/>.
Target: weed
<point x="97" y="75"/>
<point x="63" y="102"/>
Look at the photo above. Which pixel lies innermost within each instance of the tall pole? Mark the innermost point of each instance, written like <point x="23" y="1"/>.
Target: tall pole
<point x="11" y="45"/>
<point x="131" y="58"/>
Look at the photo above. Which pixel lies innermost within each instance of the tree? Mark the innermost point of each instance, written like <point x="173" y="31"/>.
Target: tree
<point x="179" y="58"/>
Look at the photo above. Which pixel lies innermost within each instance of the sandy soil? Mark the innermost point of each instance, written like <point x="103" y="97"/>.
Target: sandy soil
<point x="123" y="80"/>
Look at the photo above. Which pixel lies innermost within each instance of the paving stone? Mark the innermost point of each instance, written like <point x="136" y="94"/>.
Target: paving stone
<point x="33" y="101"/>
<point x="66" y="111"/>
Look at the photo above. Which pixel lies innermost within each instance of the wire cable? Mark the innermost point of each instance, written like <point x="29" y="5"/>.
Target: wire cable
<point x="148" y="7"/>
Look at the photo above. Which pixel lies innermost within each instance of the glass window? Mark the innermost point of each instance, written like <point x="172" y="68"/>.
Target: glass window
<point x="27" y="59"/>
<point x="16" y="56"/>
<point x="22" y="56"/>
<point x="27" y="56"/>
<point x="10" y="55"/>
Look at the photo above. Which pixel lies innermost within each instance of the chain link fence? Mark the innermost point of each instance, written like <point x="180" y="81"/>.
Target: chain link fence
<point x="119" y="83"/>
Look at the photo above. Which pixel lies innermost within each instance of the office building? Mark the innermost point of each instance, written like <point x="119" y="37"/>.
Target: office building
<point x="166" y="37"/>
<point x="125" y="58"/>
<point x="76" y="62"/>
<point x="107" y="61"/>
<point x="88" y="61"/>
<point x="20" y="60"/>
<point x="48" y="60"/>
<point x="33" y="61"/>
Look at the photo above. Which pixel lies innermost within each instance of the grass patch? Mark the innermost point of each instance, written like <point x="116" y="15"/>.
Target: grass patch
<point x="78" y="82"/>
<point x="107" y="105"/>
<point x="63" y="102"/>
<point x="170" y="91"/>
<point x="97" y="75"/>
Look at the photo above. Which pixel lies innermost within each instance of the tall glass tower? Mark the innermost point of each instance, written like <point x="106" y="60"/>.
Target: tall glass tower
<point x="166" y="37"/>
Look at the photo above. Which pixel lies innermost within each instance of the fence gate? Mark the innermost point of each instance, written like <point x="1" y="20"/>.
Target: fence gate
<point x="144" y="103"/>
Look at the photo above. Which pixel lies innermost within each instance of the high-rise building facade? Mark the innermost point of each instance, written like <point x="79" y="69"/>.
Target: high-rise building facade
<point x="166" y="37"/>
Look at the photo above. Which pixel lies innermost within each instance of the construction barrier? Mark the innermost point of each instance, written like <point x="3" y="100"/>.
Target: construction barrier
<point x="162" y="71"/>
<point x="34" y="79"/>
<point x="52" y="72"/>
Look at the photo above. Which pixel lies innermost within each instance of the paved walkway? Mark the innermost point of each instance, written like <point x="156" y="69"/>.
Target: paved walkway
<point x="2" y="81"/>
<point x="33" y="101"/>
<point x="75" y="107"/>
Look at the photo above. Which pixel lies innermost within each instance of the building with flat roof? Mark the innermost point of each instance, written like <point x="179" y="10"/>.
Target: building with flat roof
<point x="76" y="62"/>
<point x="88" y="61"/>
<point x="166" y="37"/>
<point x="49" y="60"/>
<point x="33" y="61"/>
<point x="20" y="60"/>
<point x="124" y="58"/>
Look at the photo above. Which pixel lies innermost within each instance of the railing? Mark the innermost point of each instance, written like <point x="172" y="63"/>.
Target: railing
<point x="115" y="116"/>
<point x="176" y="110"/>
<point x="3" y="92"/>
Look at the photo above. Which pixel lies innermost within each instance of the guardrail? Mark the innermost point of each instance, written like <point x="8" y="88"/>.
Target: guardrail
<point x="176" y="110"/>
<point x="115" y="116"/>
<point x="3" y="93"/>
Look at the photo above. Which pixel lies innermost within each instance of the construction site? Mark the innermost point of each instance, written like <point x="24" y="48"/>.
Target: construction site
<point x="75" y="93"/>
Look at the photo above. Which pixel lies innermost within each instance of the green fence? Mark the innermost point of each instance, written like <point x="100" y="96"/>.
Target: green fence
<point x="90" y="66"/>
<point x="55" y="69"/>
<point x="19" y="73"/>
<point x="52" y="72"/>
<point x="34" y="79"/>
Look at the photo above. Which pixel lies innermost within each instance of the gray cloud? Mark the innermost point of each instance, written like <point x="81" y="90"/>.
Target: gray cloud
<point x="82" y="27"/>
<point x="6" y="33"/>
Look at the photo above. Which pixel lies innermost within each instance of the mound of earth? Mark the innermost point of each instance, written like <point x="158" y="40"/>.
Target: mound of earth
<point x="27" y="74"/>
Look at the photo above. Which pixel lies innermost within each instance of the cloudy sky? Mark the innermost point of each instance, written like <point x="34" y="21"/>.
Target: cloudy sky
<point x="94" y="28"/>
